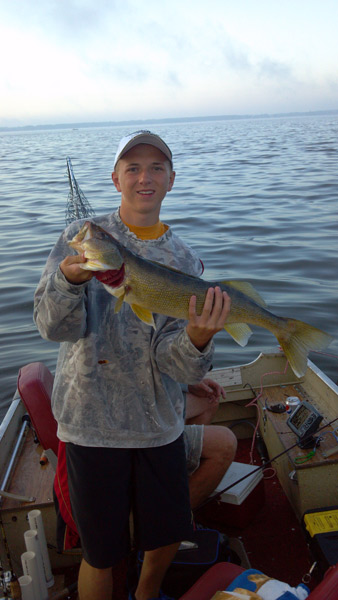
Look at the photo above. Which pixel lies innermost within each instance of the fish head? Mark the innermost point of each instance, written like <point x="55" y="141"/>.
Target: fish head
<point x="99" y="248"/>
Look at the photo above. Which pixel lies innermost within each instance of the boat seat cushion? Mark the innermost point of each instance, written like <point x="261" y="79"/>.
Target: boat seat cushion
<point x="35" y="384"/>
<point x="221" y="575"/>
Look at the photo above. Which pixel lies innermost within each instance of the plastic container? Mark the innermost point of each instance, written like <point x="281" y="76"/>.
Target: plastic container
<point x="321" y="530"/>
<point x="239" y="505"/>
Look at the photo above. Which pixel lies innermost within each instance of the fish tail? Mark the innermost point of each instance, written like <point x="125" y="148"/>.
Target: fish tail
<point x="298" y="339"/>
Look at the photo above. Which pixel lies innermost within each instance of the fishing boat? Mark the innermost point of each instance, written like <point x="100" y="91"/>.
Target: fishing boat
<point x="306" y="473"/>
<point x="279" y="507"/>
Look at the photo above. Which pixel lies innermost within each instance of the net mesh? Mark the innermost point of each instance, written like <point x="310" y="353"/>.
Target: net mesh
<point x="78" y="206"/>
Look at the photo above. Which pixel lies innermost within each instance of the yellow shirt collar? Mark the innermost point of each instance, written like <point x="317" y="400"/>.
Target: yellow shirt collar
<point x="151" y="232"/>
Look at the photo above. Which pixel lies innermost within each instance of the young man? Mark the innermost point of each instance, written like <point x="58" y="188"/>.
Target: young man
<point x="117" y="396"/>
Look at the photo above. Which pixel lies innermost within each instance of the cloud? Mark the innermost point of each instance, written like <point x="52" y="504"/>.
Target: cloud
<point x="108" y="57"/>
<point x="173" y="79"/>
<point x="274" y="69"/>
<point x="115" y="71"/>
<point x="61" y="19"/>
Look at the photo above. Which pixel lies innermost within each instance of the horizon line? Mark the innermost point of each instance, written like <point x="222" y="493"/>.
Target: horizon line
<point x="84" y="124"/>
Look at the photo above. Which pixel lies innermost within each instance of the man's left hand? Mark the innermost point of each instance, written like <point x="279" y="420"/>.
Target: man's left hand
<point x="201" y="328"/>
<point x="207" y="388"/>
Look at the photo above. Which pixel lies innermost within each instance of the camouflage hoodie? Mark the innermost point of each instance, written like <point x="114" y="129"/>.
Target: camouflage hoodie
<point x="117" y="381"/>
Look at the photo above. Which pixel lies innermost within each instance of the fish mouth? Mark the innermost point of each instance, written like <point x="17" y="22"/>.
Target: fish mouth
<point x="113" y="277"/>
<point x="98" y="248"/>
<point x="80" y="238"/>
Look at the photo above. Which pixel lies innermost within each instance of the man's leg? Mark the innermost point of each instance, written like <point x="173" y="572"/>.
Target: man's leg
<point x="200" y="411"/>
<point x="99" y="488"/>
<point x="162" y="514"/>
<point x="155" y="565"/>
<point x="94" y="584"/>
<point x="218" y="452"/>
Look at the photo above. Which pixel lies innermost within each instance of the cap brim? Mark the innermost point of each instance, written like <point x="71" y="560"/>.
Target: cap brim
<point x="143" y="138"/>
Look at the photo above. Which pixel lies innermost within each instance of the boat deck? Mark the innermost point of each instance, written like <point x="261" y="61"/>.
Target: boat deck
<point x="29" y="478"/>
<point x="309" y="481"/>
<point x="279" y="394"/>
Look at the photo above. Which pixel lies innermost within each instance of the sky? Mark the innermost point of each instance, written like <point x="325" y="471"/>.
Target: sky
<point x="65" y="61"/>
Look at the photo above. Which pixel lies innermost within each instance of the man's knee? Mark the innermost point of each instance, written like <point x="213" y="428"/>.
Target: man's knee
<point x="219" y="443"/>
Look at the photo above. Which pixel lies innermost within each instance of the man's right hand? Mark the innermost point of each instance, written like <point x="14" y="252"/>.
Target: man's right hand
<point x="70" y="267"/>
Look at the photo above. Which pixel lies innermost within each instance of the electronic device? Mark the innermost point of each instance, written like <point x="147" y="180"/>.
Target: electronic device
<point x="304" y="421"/>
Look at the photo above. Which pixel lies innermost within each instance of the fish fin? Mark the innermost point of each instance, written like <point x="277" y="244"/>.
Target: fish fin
<point x="240" y="332"/>
<point x="298" y="340"/>
<point x="144" y="314"/>
<point x="119" y="303"/>
<point x="248" y="289"/>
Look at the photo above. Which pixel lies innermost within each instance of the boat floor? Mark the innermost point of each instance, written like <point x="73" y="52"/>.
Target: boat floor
<point x="274" y="540"/>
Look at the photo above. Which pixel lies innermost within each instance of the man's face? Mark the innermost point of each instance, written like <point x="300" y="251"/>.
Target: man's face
<point x="143" y="176"/>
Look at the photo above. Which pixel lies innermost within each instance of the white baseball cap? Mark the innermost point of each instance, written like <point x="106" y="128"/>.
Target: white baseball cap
<point x="142" y="137"/>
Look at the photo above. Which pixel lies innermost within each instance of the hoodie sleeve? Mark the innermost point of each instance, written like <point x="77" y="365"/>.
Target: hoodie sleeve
<point x="177" y="357"/>
<point x="60" y="306"/>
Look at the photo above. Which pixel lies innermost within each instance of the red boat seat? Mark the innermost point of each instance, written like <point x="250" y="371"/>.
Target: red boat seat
<point x="220" y="575"/>
<point x="217" y="578"/>
<point x="35" y="384"/>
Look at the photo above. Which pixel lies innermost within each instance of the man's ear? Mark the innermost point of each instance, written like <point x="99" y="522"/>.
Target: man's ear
<point x="171" y="181"/>
<point x="115" y="179"/>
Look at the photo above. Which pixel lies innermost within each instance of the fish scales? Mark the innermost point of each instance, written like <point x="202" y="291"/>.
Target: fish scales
<point x="169" y="291"/>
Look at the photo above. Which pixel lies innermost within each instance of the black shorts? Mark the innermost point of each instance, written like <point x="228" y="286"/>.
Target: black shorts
<point x="106" y="483"/>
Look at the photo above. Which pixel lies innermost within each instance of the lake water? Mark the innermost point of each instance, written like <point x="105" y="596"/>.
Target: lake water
<point x="257" y="198"/>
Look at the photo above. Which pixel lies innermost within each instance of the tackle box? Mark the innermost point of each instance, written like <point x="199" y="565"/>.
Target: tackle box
<point x="321" y="530"/>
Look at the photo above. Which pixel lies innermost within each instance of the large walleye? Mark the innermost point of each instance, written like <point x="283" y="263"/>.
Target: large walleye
<point x="150" y="287"/>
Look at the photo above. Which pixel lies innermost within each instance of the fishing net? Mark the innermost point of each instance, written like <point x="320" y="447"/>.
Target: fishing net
<point x="78" y="206"/>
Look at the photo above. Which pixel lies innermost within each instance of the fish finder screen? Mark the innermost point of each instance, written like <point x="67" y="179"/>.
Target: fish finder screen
<point x="300" y="416"/>
<point x="304" y="420"/>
